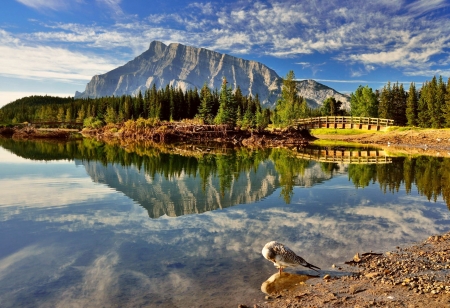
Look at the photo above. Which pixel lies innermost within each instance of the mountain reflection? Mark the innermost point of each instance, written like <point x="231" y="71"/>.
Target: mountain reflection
<point x="188" y="179"/>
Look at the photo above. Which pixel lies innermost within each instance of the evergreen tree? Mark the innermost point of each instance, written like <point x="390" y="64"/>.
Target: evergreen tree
<point x="60" y="116"/>
<point x="227" y="108"/>
<point x="399" y="104"/>
<point x="441" y="90"/>
<point x="110" y="115"/>
<point x="68" y="117"/>
<point x="138" y="106"/>
<point x="446" y="105"/>
<point x="290" y="107"/>
<point x="205" y="110"/>
<point x="411" y="105"/>
<point x="331" y="107"/>
<point x="423" y="114"/>
<point x="384" y="107"/>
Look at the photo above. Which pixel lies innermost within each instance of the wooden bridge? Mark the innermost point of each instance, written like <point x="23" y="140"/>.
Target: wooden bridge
<point x="345" y="122"/>
<point x="345" y="156"/>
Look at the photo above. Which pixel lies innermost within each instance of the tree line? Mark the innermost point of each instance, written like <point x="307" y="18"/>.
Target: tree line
<point x="166" y="104"/>
<point x="427" y="107"/>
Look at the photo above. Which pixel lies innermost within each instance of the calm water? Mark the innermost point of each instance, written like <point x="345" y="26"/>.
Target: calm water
<point x="84" y="224"/>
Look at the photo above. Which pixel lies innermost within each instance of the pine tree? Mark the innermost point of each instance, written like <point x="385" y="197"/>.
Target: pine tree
<point x="399" y="104"/>
<point x="81" y="114"/>
<point x="446" y="106"/>
<point x="423" y="117"/>
<point x="384" y="107"/>
<point x="227" y="108"/>
<point x="440" y="102"/>
<point x="60" y="116"/>
<point x="68" y="115"/>
<point x="205" y="110"/>
<point x="432" y="103"/>
<point x="289" y="107"/>
<point x="110" y="115"/>
<point x="411" y="105"/>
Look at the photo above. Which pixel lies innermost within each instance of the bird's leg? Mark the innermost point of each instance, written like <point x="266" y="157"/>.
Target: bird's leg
<point x="281" y="269"/>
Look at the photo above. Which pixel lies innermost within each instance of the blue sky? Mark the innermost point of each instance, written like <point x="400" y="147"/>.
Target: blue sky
<point x="55" y="46"/>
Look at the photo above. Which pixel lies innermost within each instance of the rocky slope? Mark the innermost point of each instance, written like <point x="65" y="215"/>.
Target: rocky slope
<point x="188" y="67"/>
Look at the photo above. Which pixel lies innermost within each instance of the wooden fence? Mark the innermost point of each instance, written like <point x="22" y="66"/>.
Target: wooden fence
<point x="345" y="122"/>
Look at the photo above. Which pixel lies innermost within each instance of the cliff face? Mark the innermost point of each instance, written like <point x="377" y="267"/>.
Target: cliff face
<point x="188" y="67"/>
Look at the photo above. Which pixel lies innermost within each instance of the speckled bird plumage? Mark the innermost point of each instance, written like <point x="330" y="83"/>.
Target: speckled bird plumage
<point x="282" y="256"/>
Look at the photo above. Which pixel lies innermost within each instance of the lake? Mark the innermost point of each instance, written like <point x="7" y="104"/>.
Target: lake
<point x="90" y="224"/>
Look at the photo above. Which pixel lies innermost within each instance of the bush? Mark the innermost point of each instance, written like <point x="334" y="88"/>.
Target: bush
<point x="92" y="122"/>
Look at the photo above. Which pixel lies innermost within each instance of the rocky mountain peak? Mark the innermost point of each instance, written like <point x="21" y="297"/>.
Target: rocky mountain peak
<point x="188" y="67"/>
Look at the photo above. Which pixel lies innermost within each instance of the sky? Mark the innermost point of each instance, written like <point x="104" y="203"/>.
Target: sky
<point x="54" y="47"/>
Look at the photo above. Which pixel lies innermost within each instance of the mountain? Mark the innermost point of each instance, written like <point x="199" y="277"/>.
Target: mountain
<point x="188" y="67"/>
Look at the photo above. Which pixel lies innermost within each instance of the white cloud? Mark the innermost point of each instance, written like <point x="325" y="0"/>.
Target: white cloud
<point x="47" y="193"/>
<point x="420" y="7"/>
<point x="376" y="34"/>
<point x="40" y="4"/>
<point x="45" y="62"/>
<point x="205" y="8"/>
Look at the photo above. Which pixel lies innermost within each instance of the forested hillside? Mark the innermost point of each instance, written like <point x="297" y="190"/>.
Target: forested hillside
<point x="427" y="107"/>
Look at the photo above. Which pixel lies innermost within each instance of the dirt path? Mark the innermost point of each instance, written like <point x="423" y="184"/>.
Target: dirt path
<point x="434" y="142"/>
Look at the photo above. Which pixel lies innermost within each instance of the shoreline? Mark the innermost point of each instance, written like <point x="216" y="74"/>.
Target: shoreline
<point x="412" y="276"/>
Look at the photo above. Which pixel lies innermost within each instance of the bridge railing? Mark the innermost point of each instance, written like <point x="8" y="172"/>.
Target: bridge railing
<point x="345" y="121"/>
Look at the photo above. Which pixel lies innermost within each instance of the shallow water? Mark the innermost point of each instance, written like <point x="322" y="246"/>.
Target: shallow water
<point x="87" y="224"/>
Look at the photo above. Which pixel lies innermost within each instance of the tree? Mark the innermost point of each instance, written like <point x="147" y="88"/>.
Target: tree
<point x="227" y="107"/>
<point x="68" y="115"/>
<point x="205" y="110"/>
<point x="446" y="105"/>
<point x="399" y="104"/>
<point x="60" y="116"/>
<point x="110" y="115"/>
<point x="331" y="107"/>
<point x="438" y="118"/>
<point x="291" y="106"/>
<point x="364" y="103"/>
<point x="411" y="105"/>
<point x="385" y="104"/>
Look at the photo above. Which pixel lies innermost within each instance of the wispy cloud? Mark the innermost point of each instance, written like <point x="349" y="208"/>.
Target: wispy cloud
<point x="369" y="35"/>
<point x="54" y="5"/>
<point x="44" y="62"/>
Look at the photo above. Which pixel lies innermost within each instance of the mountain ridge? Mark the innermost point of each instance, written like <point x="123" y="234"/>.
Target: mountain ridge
<point x="187" y="67"/>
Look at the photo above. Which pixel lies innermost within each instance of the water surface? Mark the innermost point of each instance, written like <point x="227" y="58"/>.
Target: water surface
<point x="89" y="224"/>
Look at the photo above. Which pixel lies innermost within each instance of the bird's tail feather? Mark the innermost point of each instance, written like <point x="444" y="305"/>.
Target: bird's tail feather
<point x="303" y="262"/>
<point x="313" y="267"/>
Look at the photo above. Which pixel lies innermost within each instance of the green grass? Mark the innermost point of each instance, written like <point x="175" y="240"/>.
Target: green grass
<point x="403" y="128"/>
<point x="337" y="131"/>
<point x="411" y="128"/>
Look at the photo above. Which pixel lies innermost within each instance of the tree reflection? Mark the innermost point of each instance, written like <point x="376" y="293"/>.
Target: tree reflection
<point x="431" y="175"/>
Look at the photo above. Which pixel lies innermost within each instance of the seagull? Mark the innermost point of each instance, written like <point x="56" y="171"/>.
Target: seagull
<point x="282" y="256"/>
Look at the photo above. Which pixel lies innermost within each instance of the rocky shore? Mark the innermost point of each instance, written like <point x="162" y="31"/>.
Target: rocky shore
<point x="415" y="276"/>
<point x="188" y="132"/>
<point x="33" y="133"/>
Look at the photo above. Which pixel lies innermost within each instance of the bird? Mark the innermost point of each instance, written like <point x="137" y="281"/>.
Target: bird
<point x="282" y="256"/>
